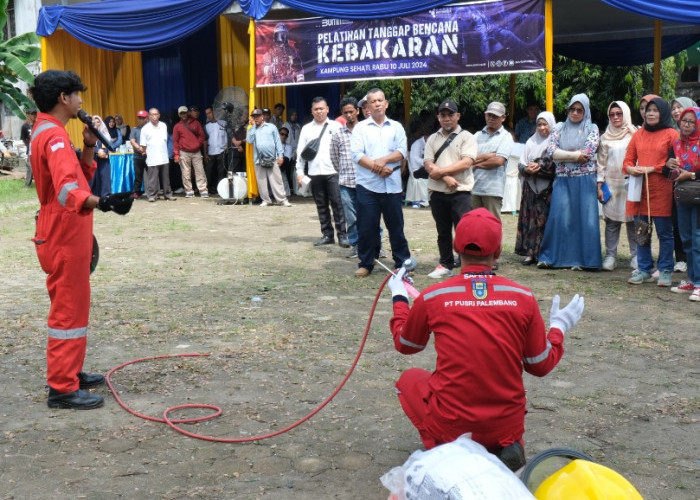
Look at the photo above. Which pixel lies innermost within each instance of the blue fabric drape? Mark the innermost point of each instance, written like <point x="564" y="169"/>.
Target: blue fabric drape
<point x="182" y="74"/>
<point x="130" y="25"/>
<point x="680" y="11"/>
<point x="354" y="9"/>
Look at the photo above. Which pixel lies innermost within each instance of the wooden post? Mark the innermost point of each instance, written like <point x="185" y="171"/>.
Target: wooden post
<point x="657" y="56"/>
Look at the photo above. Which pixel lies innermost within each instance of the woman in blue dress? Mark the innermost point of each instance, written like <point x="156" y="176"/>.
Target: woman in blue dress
<point x="572" y="234"/>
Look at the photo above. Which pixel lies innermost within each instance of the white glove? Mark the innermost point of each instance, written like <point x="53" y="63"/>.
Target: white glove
<point x="566" y="318"/>
<point x="397" y="285"/>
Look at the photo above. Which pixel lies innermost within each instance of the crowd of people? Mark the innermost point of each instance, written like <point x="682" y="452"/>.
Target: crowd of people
<point x="361" y="167"/>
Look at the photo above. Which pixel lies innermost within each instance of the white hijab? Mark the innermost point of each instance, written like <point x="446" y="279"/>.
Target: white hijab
<point x="535" y="148"/>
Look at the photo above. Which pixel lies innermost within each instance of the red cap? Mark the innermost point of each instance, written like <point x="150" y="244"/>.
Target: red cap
<point x="142" y="114"/>
<point x="479" y="232"/>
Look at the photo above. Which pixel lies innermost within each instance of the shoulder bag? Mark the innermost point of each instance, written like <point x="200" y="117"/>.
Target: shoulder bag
<point x="687" y="192"/>
<point x="642" y="228"/>
<point x="311" y="149"/>
<point x="422" y="173"/>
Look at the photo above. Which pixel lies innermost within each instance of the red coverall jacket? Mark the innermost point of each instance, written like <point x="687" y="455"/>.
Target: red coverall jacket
<point x="487" y="329"/>
<point x="63" y="244"/>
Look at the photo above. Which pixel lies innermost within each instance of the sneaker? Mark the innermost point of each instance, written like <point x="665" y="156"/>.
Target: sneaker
<point x="424" y="204"/>
<point x="683" y="287"/>
<point x="286" y="203"/>
<point x="382" y="254"/>
<point x="189" y="194"/>
<point x="264" y="204"/>
<point x="695" y="296"/>
<point x="544" y="265"/>
<point x="415" y="204"/>
<point x="655" y="274"/>
<point x="440" y="272"/>
<point x="205" y="194"/>
<point x="680" y="267"/>
<point x="664" y="278"/>
<point x="633" y="262"/>
<point x="609" y="263"/>
<point x="638" y="277"/>
<point x="352" y="253"/>
<point x="179" y="191"/>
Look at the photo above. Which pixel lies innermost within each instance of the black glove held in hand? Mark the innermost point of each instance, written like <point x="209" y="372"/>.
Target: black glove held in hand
<point x="117" y="202"/>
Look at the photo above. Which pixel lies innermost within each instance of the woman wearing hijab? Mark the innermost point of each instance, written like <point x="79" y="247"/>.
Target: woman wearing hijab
<point x="114" y="133"/>
<point x="647" y="153"/>
<point x="572" y="234"/>
<point x="101" y="183"/>
<point x="611" y="154"/>
<point x="124" y="129"/>
<point x="678" y="105"/>
<point x="686" y="168"/>
<point x="536" y="191"/>
<point x="643" y="104"/>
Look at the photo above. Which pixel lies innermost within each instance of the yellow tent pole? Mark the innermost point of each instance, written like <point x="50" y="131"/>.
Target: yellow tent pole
<point x="548" y="54"/>
<point x="657" y="56"/>
<point x="250" y="165"/>
<point x="44" y="56"/>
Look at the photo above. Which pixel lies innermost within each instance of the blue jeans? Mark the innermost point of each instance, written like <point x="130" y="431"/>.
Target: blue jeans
<point x="348" y="196"/>
<point x="664" y="232"/>
<point x="688" y="220"/>
<point x="371" y="207"/>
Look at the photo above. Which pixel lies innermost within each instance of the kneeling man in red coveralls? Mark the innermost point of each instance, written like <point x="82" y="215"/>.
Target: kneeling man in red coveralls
<point x="64" y="234"/>
<point x="487" y="330"/>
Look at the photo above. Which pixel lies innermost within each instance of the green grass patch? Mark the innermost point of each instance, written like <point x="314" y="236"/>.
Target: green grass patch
<point x="14" y="197"/>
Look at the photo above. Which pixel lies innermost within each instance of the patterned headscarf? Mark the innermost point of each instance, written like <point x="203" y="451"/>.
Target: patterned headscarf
<point x="687" y="148"/>
<point x="613" y="133"/>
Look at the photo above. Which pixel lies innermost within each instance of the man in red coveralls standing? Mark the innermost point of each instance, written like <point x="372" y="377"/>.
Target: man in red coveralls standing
<point x="487" y="329"/>
<point x="64" y="234"/>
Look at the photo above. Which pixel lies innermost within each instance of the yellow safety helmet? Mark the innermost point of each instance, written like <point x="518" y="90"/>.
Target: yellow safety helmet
<point x="585" y="480"/>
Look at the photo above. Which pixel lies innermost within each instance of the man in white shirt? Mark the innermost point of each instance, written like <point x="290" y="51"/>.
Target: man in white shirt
<point x="324" y="178"/>
<point x="215" y="147"/>
<point x="154" y="139"/>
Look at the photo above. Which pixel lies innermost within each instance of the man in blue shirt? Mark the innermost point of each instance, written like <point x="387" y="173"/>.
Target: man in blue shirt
<point x="378" y="147"/>
<point x="268" y="157"/>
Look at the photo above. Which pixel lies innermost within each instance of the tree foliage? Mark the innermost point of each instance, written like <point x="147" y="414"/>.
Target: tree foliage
<point x="15" y="54"/>
<point x="602" y="84"/>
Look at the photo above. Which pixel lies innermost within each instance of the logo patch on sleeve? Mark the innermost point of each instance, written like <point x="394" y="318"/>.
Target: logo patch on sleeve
<point x="56" y="143"/>
<point x="480" y="288"/>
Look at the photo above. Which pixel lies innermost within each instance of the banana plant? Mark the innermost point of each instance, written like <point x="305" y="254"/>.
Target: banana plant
<point x="15" y="54"/>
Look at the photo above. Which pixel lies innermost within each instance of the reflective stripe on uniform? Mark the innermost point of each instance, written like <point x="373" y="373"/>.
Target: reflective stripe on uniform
<point x="441" y="291"/>
<point x="74" y="333"/>
<point x="410" y="344"/>
<point x="507" y="288"/>
<point x="541" y="357"/>
<point x="67" y="188"/>
<point x="45" y="125"/>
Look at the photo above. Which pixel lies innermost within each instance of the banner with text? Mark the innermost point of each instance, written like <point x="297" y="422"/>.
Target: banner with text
<point x="501" y="36"/>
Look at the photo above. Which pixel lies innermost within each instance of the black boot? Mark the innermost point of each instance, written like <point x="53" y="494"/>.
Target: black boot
<point x="90" y="380"/>
<point x="76" y="400"/>
<point x="513" y="456"/>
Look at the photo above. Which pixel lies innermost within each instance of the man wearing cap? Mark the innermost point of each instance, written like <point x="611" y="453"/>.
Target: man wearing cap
<point x="268" y="157"/>
<point x="448" y="157"/>
<point x="487" y="330"/>
<point x="495" y="143"/>
<point x="139" y="151"/>
<point x="217" y="143"/>
<point x="26" y="136"/>
<point x="267" y="115"/>
<point x="364" y="106"/>
<point x="324" y="177"/>
<point x="378" y="147"/>
<point x="188" y="139"/>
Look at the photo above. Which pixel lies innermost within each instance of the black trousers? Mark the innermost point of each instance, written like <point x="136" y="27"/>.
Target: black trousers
<point x="215" y="170"/>
<point x="326" y="191"/>
<point x="447" y="210"/>
<point x="139" y="169"/>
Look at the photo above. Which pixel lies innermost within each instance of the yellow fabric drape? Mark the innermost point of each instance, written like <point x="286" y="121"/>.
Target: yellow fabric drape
<point x="114" y="79"/>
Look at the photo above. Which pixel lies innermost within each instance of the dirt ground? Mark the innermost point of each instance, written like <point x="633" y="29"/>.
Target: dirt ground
<point x="178" y="278"/>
